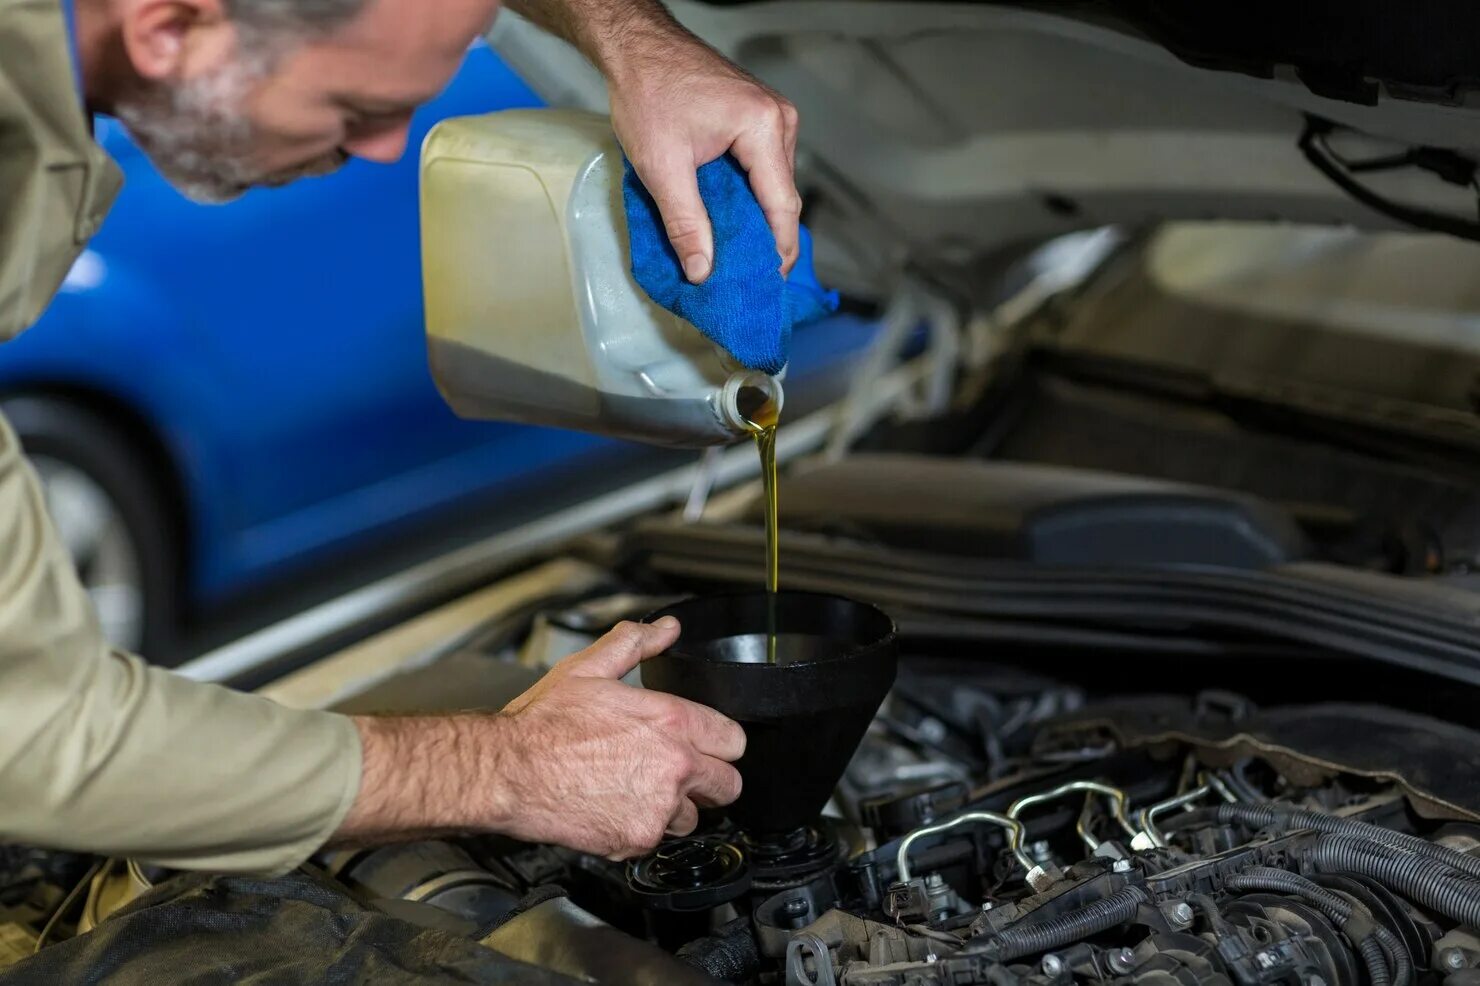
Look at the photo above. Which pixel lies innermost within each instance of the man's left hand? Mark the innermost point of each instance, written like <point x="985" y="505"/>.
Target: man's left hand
<point x="678" y="104"/>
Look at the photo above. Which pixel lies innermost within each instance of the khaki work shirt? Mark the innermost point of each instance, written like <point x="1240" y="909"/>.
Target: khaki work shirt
<point x="99" y="751"/>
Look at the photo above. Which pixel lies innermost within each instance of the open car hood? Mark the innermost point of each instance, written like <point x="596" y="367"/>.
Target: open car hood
<point x="937" y="134"/>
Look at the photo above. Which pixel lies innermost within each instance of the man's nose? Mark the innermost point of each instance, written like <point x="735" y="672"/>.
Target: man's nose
<point x="385" y="145"/>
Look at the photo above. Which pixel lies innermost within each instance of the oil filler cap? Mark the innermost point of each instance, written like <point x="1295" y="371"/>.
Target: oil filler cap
<point x="689" y="875"/>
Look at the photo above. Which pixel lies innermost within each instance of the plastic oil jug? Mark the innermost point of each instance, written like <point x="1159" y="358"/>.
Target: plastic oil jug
<point x="532" y="313"/>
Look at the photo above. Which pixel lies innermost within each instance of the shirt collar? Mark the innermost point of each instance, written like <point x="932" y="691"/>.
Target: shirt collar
<point x="69" y="15"/>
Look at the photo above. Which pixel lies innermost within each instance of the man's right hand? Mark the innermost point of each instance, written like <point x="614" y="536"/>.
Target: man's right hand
<point x="580" y="760"/>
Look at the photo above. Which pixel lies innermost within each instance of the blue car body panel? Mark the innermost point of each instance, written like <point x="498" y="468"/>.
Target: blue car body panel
<point x="275" y="347"/>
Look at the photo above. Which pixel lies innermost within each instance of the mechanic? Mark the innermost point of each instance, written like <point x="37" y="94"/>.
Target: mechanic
<point x="103" y="753"/>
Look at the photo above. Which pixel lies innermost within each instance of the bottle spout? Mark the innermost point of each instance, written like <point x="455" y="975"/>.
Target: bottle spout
<point x="750" y="400"/>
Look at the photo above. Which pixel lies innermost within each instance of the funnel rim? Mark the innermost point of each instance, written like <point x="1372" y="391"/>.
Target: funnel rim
<point x="802" y="720"/>
<point x="887" y="639"/>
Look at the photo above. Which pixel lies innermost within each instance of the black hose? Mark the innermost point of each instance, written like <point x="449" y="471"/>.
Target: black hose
<point x="729" y="954"/>
<point x="1426" y="880"/>
<point x="1242" y="786"/>
<point x="1196" y="818"/>
<point x="1268" y="815"/>
<point x="1375" y="948"/>
<point x="1216" y="922"/>
<point x="1376" y="961"/>
<point x="1341" y="909"/>
<point x="1102" y="915"/>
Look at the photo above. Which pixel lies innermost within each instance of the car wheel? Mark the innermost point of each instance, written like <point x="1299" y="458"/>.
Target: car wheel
<point x="110" y="514"/>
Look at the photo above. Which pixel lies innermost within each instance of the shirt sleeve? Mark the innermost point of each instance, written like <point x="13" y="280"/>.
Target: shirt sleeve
<point x="103" y="753"/>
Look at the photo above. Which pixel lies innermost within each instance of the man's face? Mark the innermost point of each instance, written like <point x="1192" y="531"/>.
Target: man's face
<point x="250" y="108"/>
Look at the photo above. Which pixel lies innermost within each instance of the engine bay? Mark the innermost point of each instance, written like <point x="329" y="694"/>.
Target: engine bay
<point x="1153" y="775"/>
<point x="1004" y="828"/>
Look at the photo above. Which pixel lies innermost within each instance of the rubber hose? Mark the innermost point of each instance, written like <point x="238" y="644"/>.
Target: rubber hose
<point x="1426" y="880"/>
<point x="1390" y="943"/>
<point x="1102" y="915"/>
<point x="1397" y="951"/>
<point x="1196" y="818"/>
<point x="1209" y="909"/>
<point x="1376" y="960"/>
<point x="1265" y="816"/>
<point x="1335" y="908"/>
<point x="1339" y="910"/>
<point x="729" y="954"/>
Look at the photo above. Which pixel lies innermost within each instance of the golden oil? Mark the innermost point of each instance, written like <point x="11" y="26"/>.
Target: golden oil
<point x="762" y="417"/>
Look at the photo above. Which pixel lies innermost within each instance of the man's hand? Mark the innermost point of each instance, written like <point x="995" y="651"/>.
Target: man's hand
<point x="580" y="760"/>
<point x="681" y="105"/>
<point x="678" y="104"/>
<point x="599" y="766"/>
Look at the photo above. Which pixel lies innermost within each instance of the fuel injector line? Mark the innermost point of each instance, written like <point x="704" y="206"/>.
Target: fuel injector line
<point x="1266" y="815"/>
<point x="1102" y="915"/>
<point x="1013" y="827"/>
<point x="1147" y="815"/>
<point x="1377" y="945"/>
<point x="1426" y="880"/>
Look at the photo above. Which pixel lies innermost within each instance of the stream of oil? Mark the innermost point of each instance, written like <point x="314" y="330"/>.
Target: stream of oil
<point x="762" y="423"/>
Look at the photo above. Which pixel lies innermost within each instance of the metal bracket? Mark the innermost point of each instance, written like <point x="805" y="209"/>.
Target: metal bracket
<point x="803" y="945"/>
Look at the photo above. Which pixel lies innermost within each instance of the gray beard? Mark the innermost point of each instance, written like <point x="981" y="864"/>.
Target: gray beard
<point x="199" y="137"/>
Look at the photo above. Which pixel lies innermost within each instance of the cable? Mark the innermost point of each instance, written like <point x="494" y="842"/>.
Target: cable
<point x="1269" y="815"/>
<point x="1446" y="164"/>
<point x="1238" y="779"/>
<point x="1102" y="915"/>
<point x="1428" y="881"/>
<point x="1375" y="945"/>
<point x="1195" y="818"/>
<point x="1375" y="958"/>
<point x="1216" y="922"/>
<point x="67" y="902"/>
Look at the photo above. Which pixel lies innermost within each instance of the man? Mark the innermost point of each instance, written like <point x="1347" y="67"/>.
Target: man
<point x="99" y="751"/>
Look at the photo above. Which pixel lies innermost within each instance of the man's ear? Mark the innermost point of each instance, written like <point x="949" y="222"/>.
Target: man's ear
<point x="163" y="36"/>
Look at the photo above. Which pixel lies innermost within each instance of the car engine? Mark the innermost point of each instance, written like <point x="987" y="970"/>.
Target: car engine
<point x="999" y="828"/>
<point x="996" y="826"/>
<point x="1077" y="799"/>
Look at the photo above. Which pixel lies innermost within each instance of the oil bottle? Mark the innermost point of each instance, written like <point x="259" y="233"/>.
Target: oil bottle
<point x="532" y="313"/>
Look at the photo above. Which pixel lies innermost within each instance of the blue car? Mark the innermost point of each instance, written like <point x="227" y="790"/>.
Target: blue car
<point x="224" y="396"/>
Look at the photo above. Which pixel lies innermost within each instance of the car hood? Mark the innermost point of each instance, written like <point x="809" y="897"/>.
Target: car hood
<point x="936" y="135"/>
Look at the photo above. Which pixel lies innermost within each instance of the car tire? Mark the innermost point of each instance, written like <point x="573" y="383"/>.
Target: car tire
<point x="110" y="509"/>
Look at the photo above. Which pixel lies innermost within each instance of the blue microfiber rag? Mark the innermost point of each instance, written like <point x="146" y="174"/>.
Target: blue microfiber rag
<point x="744" y="305"/>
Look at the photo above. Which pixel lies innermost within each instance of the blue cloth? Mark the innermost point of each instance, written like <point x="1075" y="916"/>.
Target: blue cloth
<point x="744" y="305"/>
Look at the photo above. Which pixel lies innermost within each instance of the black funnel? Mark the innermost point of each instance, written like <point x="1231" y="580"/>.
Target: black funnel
<point x="803" y="715"/>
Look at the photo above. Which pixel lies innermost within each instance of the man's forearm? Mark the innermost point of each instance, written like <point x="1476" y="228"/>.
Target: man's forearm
<point x="423" y="776"/>
<point x="604" y="29"/>
<point x="579" y="759"/>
